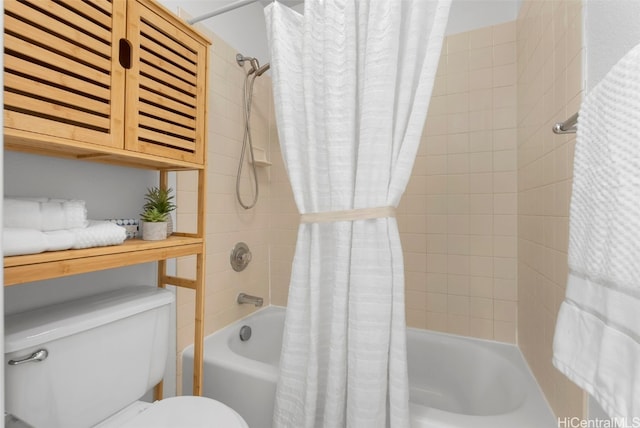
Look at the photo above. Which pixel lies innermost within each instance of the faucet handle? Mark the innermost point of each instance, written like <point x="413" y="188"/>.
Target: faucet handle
<point x="244" y="257"/>
<point x="240" y="257"/>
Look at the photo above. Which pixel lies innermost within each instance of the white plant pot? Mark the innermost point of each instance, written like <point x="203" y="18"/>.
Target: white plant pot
<point x="169" y="225"/>
<point x="154" y="231"/>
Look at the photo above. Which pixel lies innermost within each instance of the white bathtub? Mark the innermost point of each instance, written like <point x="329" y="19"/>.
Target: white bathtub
<point x="456" y="382"/>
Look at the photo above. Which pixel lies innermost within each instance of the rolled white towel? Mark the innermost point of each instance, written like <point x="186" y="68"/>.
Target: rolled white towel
<point x="44" y="214"/>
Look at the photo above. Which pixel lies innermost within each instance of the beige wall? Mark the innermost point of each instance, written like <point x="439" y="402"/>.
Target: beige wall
<point x="226" y="221"/>
<point x="283" y="227"/>
<point x="549" y="90"/>
<point x="458" y="216"/>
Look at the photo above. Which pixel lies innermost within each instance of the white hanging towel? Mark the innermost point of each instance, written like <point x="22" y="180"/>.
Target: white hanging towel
<point x="597" y="337"/>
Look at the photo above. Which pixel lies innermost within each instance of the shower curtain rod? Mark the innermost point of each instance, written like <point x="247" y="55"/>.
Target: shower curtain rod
<point x="224" y="9"/>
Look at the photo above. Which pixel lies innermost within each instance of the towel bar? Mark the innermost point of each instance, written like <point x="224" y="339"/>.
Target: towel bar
<point x="569" y="126"/>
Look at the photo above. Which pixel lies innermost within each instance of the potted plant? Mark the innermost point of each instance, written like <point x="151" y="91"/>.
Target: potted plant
<point x="154" y="225"/>
<point x="161" y="200"/>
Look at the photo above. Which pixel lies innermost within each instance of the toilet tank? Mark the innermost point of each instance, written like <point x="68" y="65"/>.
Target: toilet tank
<point x="104" y="352"/>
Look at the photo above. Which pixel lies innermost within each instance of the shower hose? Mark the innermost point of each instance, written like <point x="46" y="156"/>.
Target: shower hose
<point x="248" y="97"/>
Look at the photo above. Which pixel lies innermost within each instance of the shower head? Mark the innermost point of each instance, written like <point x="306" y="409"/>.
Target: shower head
<point x="255" y="65"/>
<point x="262" y="69"/>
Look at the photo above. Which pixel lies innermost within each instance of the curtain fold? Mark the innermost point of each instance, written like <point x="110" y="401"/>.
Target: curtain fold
<point x="352" y="83"/>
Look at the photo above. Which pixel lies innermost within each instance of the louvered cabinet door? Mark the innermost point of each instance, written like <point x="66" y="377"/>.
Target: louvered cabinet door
<point x="166" y="86"/>
<point x="62" y="78"/>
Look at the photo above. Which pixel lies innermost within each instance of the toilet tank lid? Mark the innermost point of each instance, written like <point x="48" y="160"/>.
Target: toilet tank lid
<point x="38" y="326"/>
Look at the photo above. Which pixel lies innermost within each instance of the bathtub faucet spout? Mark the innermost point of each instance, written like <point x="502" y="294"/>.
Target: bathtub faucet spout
<point x="253" y="300"/>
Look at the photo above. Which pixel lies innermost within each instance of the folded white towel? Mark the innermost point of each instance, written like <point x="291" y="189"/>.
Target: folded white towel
<point x="59" y="240"/>
<point x="44" y="214"/>
<point x="597" y="337"/>
<point x="17" y="241"/>
<point x="98" y="234"/>
<point x="20" y="241"/>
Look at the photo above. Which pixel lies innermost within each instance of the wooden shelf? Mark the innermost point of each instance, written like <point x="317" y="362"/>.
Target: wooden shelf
<point x="55" y="264"/>
<point x="21" y="141"/>
<point x="151" y="113"/>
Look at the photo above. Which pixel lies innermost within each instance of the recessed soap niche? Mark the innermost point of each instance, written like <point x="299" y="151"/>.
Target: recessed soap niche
<point x="260" y="157"/>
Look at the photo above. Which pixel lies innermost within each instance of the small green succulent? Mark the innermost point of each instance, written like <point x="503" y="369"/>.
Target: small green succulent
<point x="160" y="199"/>
<point x="153" y="215"/>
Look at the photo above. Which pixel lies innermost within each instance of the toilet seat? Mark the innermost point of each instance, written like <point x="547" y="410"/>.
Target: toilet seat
<point x="186" y="412"/>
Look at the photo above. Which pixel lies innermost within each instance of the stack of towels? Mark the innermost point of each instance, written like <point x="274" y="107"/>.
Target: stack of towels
<point x="35" y="225"/>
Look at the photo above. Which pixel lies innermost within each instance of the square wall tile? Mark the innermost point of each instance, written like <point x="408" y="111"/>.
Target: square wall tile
<point x="469" y="158"/>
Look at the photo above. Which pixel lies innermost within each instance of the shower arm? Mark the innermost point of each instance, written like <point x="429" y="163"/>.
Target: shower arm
<point x="255" y="64"/>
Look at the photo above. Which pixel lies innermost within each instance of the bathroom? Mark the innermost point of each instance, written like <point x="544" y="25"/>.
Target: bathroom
<point x="494" y="192"/>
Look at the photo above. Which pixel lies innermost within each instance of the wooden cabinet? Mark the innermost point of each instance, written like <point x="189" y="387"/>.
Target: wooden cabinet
<point x="62" y="75"/>
<point x="104" y="79"/>
<point x="114" y="81"/>
<point x="166" y="88"/>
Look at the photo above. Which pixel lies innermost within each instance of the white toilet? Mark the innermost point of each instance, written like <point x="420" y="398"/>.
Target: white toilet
<point x="87" y="362"/>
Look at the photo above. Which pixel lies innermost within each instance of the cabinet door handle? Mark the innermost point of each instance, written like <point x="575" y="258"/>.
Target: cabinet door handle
<point x="125" y="53"/>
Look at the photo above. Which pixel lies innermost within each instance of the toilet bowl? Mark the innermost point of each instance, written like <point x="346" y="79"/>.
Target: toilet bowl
<point x="183" y="412"/>
<point x="88" y="363"/>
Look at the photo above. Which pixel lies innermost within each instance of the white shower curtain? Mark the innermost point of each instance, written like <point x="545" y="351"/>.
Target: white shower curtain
<point x="352" y="82"/>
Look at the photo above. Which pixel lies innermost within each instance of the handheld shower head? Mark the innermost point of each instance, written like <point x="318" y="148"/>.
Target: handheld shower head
<point x="262" y="69"/>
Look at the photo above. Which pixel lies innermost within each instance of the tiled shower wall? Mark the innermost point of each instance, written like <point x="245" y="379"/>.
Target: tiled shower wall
<point x="283" y="226"/>
<point x="483" y="221"/>
<point x="458" y="218"/>
<point x="550" y="52"/>
<point x="226" y="221"/>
